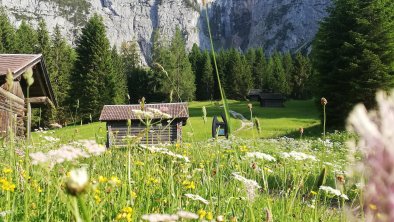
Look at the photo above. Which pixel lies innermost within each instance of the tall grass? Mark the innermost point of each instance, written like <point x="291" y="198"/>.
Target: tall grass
<point x="222" y="93"/>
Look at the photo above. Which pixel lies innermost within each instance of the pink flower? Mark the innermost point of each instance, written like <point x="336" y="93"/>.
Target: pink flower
<point x="376" y="142"/>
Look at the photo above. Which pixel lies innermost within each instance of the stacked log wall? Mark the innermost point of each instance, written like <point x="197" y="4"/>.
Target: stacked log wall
<point x="118" y="131"/>
<point x="12" y="110"/>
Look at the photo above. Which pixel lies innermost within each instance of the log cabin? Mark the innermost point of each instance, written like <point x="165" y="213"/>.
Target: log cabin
<point x="272" y="100"/>
<point x="128" y="120"/>
<point x="13" y="105"/>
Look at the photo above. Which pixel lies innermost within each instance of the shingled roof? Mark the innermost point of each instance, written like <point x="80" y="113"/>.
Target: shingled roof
<point x="273" y="96"/>
<point x="19" y="63"/>
<point x="125" y="112"/>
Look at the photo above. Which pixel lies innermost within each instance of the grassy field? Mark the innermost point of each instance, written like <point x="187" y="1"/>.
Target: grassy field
<point x="60" y="177"/>
<point x="275" y="122"/>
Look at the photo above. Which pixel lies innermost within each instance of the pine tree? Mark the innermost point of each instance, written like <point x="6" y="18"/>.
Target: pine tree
<point x="301" y="74"/>
<point x="26" y="39"/>
<point x="180" y="76"/>
<point x="63" y="57"/>
<point x="239" y="81"/>
<point x="7" y="34"/>
<point x="207" y="80"/>
<point x="268" y="79"/>
<point x="259" y="68"/>
<point x="277" y="77"/>
<point x="288" y="67"/>
<point x="251" y="57"/>
<point x="93" y="82"/>
<point x="354" y="55"/>
<point x="120" y="77"/>
<point x="221" y="59"/>
<point x="195" y="58"/>
<point x="44" y="41"/>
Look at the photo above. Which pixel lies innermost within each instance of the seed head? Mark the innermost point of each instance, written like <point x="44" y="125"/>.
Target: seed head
<point x="250" y="106"/>
<point x="9" y="79"/>
<point x="323" y="101"/>
<point x="204" y="112"/>
<point x="28" y="76"/>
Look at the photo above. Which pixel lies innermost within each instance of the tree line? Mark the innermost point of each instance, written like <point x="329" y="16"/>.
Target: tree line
<point x="353" y="55"/>
<point x="94" y="73"/>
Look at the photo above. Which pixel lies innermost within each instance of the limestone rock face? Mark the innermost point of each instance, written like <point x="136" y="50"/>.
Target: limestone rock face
<point x="274" y="24"/>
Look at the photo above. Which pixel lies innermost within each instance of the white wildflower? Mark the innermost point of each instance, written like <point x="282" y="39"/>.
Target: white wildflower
<point x="250" y="186"/>
<point x="259" y="155"/>
<point x="92" y="147"/>
<point x="143" y="114"/>
<point x="298" y="156"/>
<point x="51" y="139"/>
<point x="160" y="217"/>
<point x="247" y="182"/>
<point x="77" y="181"/>
<point x="4" y="213"/>
<point x="197" y="197"/>
<point x="167" y="152"/>
<point x="68" y="152"/>
<point x="187" y="215"/>
<point x="344" y="196"/>
<point x="333" y="191"/>
<point x="38" y="158"/>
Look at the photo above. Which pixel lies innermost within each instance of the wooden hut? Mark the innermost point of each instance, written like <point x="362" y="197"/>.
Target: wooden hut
<point x="166" y="121"/>
<point x="254" y="94"/>
<point x="272" y="100"/>
<point x="12" y="101"/>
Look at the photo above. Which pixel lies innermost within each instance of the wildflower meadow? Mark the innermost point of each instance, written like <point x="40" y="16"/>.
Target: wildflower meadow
<point x="61" y="177"/>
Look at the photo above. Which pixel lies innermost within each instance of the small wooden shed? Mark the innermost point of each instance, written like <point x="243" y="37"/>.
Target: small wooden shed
<point x="272" y="100"/>
<point x="12" y="101"/>
<point x="254" y="94"/>
<point x="167" y="120"/>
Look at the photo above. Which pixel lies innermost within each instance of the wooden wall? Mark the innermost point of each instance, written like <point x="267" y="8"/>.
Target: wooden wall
<point x="118" y="130"/>
<point x="12" y="110"/>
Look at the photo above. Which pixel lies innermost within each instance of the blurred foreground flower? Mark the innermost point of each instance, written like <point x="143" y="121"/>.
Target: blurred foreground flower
<point x="69" y="152"/>
<point x="77" y="182"/>
<point x="376" y="142"/>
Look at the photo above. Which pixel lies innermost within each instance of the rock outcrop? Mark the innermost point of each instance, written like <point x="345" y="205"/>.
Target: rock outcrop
<point x="281" y="25"/>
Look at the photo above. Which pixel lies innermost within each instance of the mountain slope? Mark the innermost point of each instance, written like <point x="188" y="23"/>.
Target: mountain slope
<point x="274" y="24"/>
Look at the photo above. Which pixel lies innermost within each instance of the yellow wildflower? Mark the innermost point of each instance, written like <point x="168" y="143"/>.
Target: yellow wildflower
<point x="373" y="207"/>
<point x="6" y="185"/>
<point x="125" y="214"/>
<point x="139" y="163"/>
<point x="209" y="215"/>
<point x="133" y="194"/>
<point x="189" y="184"/>
<point x="115" y="181"/>
<point x="201" y="213"/>
<point x="102" y="179"/>
<point x="313" y="192"/>
<point x="243" y="148"/>
<point x="97" y="198"/>
<point x="7" y="170"/>
<point x="152" y="180"/>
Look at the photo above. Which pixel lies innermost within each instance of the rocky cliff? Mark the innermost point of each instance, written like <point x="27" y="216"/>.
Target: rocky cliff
<point x="274" y="24"/>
